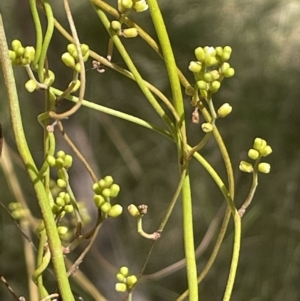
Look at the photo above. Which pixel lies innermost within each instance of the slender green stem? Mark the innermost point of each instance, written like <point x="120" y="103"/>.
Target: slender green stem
<point x="38" y="30"/>
<point x="54" y="240"/>
<point x="134" y="71"/>
<point x="47" y="39"/>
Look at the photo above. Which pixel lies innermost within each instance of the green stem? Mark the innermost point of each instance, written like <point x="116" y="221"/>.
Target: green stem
<point x="54" y="240"/>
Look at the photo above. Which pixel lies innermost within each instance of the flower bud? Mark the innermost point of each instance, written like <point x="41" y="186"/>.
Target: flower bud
<point x="214" y="86"/>
<point x="219" y="51"/>
<point x="62" y="230"/>
<point x="130" y="32"/>
<point x="69" y="208"/>
<point x="78" y="68"/>
<point x="116" y="25"/>
<point x="105" y="207"/>
<point x="264" y="167"/>
<point x="124" y="271"/>
<point x="215" y="74"/>
<point x="68" y="59"/>
<point x="195" y="67"/>
<point x="99" y="200"/>
<point x="253" y="154"/>
<point x="229" y="72"/>
<point x="200" y="54"/>
<point x="106" y="192"/>
<point x="226" y="53"/>
<point x="84" y="49"/>
<point x="115" y="210"/>
<point x="30" y="85"/>
<point x="267" y="150"/>
<point x="59" y="163"/>
<point x="207" y="127"/>
<point x="207" y="77"/>
<point x="224" y="110"/>
<point x="102" y="184"/>
<point x="77" y="86"/>
<point x="202" y="85"/>
<point x="121" y="287"/>
<point x="259" y="144"/>
<point x="61" y="183"/>
<point x="211" y="61"/>
<point x="133" y="210"/>
<point x="131" y="281"/>
<point x="96" y="188"/>
<point x="51" y="160"/>
<point x="127" y="3"/>
<point x="68" y="160"/>
<point x="120" y="277"/>
<point x="15" y="44"/>
<point x="29" y="53"/>
<point x="60" y="154"/>
<point x="140" y="6"/>
<point x="246" y="167"/>
<point x="20" y="51"/>
<point x="60" y="201"/>
<point x="114" y="190"/>
<point x="12" y="55"/>
<point x="71" y="48"/>
<point x="108" y="181"/>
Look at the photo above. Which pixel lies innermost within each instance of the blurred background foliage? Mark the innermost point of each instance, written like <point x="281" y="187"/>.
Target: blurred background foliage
<point x="264" y="94"/>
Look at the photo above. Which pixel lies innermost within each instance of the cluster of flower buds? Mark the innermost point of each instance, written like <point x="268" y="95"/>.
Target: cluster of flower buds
<point x="260" y="149"/>
<point x="71" y="58"/>
<point x="62" y="162"/>
<point x="20" y="55"/>
<point x="17" y="211"/>
<point x="105" y="190"/>
<point x="210" y="68"/>
<point x="126" y="281"/>
<point x="62" y="204"/>
<point x="126" y="6"/>
<point x="126" y="33"/>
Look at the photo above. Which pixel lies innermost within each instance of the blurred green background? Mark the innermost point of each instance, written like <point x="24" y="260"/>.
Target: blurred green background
<point x="264" y="94"/>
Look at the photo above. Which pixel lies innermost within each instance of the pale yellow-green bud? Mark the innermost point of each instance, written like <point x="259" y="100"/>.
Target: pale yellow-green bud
<point x="264" y="167"/>
<point x="133" y="210"/>
<point x="267" y="150"/>
<point x="51" y="160"/>
<point x="68" y="59"/>
<point x="105" y="207"/>
<point x="106" y="192"/>
<point x="116" y="25"/>
<point x="114" y="190"/>
<point x="214" y="86"/>
<point x="253" y="154"/>
<point x="130" y="32"/>
<point x="202" y="85"/>
<point x="259" y="144"/>
<point x="229" y="72"/>
<point x="71" y="48"/>
<point x="15" y="44"/>
<point x="124" y="271"/>
<point x="61" y="183"/>
<point x="115" y="210"/>
<point x="108" y="181"/>
<point x="127" y="3"/>
<point x="59" y="162"/>
<point x="99" y="200"/>
<point x="68" y="160"/>
<point x="77" y="86"/>
<point x="246" y="167"/>
<point x="224" y="110"/>
<point x="131" y="281"/>
<point x="195" y="67"/>
<point x="62" y="230"/>
<point x="207" y="127"/>
<point x="69" y="208"/>
<point x="120" y="277"/>
<point x="121" y="287"/>
<point x="30" y="85"/>
<point x="200" y="54"/>
<point x="140" y="6"/>
<point x="29" y="53"/>
<point x="78" y="68"/>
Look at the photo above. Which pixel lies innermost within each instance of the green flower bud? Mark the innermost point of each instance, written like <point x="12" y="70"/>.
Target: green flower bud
<point x="68" y="59"/>
<point x="131" y="281"/>
<point x="60" y="201"/>
<point x="86" y="56"/>
<point x="108" y="181"/>
<point x="115" y="210"/>
<point x="140" y="6"/>
<point x="69" y="208"/>
<point x="202" y="85"/>
<point x="14" y="206"/>
<point x="207" y="127"/>
<point x="259" y="144"/>
<point x="50" y="79"/>
<point x="30" y="85"/>
<point x="61" y="183"/>
<point x="105" y="207"/>
<point x="124" y="271"/>
<point x="12" y="55"/>
<point x="133" y="210"/>
<point x="106" y="192"/>
<point x="62" y="230"/>
<point x="229" y="72"/>
<point x="203" y="93"/>
<point x="215" y="74"/>
<point x="96" y="188"/>
<point x="102" y="184"/>
<point x="226" y="53"/>
<point x="127" y="4"/>
<point x="120" y="277"/>
<point x="224" y="67"/>
<point x="246" y="167"/>
<point x="264" y="167"/>
<point x="59" y="163"/>
<point x="195" y="67"/>
<point x="60" y="154"/>
<point x="99" y="200"/>
<point x="67" y="198"/>
<point x="219" y="51"/>
<point x="15" y="44"/>
<point x="200" y="54"/>
<point x="130" y="32"/>
<point x="214" y="86"/>
<point x="71" y="48"/>
<point x="75" y="55"/>
<point x="253" y="154"/>
<point x="20" y="51"/>
<point x="207" y="77"/>
<point x="76" y="87"/>
<point x="78" y="68"/>
<point x="29" y="53"/>
<point x="267" y="150"/>
<point x="116" y="25"/>
<point x="114" y="190"/>
<point x="84" y="49"/>
<point x="210" y="51"/>
<point x="211" y="61"/>
<point x="121" y="287"/>
<point x="68" y="160"/>
<point x="61" y="174"/>
<point x="224" y="110"/>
